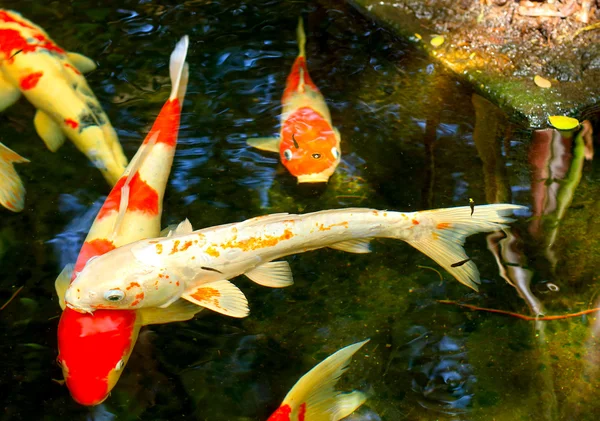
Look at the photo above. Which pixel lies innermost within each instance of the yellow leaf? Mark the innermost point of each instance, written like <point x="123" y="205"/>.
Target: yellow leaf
<point x="418" y="36"/>
<point x="437" y="41"/>
<point x="563" y="123"/>
<point x="541" y="82"/>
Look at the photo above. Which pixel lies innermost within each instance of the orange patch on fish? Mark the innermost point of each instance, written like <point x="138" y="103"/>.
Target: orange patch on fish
<point x="207" y="294"/>
<point x="175" y="245"/>
<point x="255" y="243"/>
<point x="293" y="79"/>
<point x="314" y="137"/>
<point x="90" y="249"/>
<point x="133" y="285"/>
<point x="139" y="297"/>
<point x="71" y="123"/>
<point x="443" y="225"/>
<point x="159" y="248"/>
<point x="186" y="246"/>
<point x="70" y="66"/>
<point x="30" y="81"/>
<point x="340" y="224"/>
<point x="167" y="123"/>
<point x="415" y="222"/>
<point x="11" y="18"/>
<point x="142" y="197"/>
<point x="211" y="251"/>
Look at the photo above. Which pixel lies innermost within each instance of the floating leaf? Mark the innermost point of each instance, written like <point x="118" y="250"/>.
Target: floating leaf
<point x="418" y="36"/>
<point x="541" y="82"/>
<point x="437" y="41"/>
<point x="562" y="122"/>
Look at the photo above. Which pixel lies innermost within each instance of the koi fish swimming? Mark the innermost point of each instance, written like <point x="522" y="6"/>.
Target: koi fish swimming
<point x="313" y="397"/>
<point x="51" y="79"/>
<point x="197" y="265"/>
<point x="94" y="349"/>
<point x="308" y="144"/>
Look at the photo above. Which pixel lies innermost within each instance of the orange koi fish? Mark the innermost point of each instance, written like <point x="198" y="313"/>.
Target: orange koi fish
<point x="308" y="144"/>
<point x="313" y="398"/>
<point x="197" y="265"/>
<point x="51" y="79"/>
<point x="94" y="349"/>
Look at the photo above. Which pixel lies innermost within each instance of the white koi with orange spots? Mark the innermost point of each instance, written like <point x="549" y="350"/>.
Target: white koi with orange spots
<point x="51" y="79"/>
<point x="196" y="265"/>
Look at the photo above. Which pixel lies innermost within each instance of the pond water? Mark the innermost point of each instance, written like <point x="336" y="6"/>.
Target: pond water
<point x="413" y="138"/>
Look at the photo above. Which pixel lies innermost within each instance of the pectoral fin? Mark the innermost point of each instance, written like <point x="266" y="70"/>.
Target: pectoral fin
<point x="49" y="131"/>
<point x="270" y="144"/>
<point x="337" y="134"/>
<point x="354" y="246"/>
<point x="220" y="296"/>
<point x="12" y="192"/>
<point x="179" y="311"/>
<point x="82" y="63"/>
<point x="62" y="283"/>
<point x="9" y="94"/>
<point x="272" y="274"/>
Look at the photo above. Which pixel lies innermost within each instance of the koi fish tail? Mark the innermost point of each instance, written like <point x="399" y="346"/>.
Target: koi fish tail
<point x="314" y="395"/>
<point x="178" y="70"/>
<point x="12" y="192"/>
<point x="442" y="234"/>
<point x="301" y="38"/>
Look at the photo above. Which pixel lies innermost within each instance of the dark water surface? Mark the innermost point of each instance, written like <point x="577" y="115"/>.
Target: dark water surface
<point x="412" y="138"/>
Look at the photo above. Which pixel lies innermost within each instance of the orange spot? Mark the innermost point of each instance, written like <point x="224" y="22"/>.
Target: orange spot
<point x="90" y="249"/>
<point x="139" y="297"/>
<point x="340" y="224"/>
<point x="167" y="123"/>
<point x="175" y="245"/>
<point x="70" y="66"/>
<point x="142" y="197"/>
<point x="30" y="81"/>
<point x="207" y="294"/>
<point x="211" y="251"/>
<point x="133" y="285"/>
<point x="375" y="213"/>
<point x="443" y="225"/>
<point x="177" y="283"/>
<point x="255" y="243"/>
<point x="152" y="242"/>
<point x="193" y="257"/>
<point x="293" y="79"/>
<point x="71" y="123"/>
<point x="159" y="249"/>
<point x="186" y="246"/>
<point x="415" y="222"/>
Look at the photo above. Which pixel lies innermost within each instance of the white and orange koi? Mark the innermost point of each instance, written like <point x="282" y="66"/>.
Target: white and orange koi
<point x="94" y="349"/>
<point x="196" y="266"/>
<point x="313" y="397"/>
<point x="308" y="144"/>
<point x="51" y="79"/>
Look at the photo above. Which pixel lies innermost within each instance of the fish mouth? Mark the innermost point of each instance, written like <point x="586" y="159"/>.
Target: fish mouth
<point x="313" y="178"/>
<point x="79" y="309"/>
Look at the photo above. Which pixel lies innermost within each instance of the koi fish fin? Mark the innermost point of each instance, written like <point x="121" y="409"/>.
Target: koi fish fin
<point x="8" y="94"/>
<point x="178" y="69"/>
<point x="12" y="192"/>
<point x="49" y="131"/>
<point x="301" y="36"/>
<point x="62" y="283"/>
<point x="184" y="227"/>
<point x="337" y="134"/>
<point x="82" y="63"/>
<point x="446" y="230"/>
<point x="361" y="245"/>
<point x="315" y="394"/>
<point x="272" y="274"/>
<point x="220" y="296"/>
<point x="270" y="144"/>
<point x="179" y="311"/>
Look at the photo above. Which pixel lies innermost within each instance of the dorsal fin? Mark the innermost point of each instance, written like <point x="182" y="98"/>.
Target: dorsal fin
<point x="301" y="36"/>
<point x="132" y="169"/>
<point x="178" y="69"/>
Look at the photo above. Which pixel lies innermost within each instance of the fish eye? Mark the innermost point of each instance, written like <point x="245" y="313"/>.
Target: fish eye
<point x="114" y="295"/>
<point x="120" y="365"/>
<point x="316" y="155"/>
<point x="335" y="152"/>
<point x="287" y="154"/>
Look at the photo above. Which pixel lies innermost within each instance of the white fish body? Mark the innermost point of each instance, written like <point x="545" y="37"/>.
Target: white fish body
<point x="196" y="265"/>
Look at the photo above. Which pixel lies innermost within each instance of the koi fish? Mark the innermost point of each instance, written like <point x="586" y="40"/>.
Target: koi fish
<point x="12" y="192"/>
<point x="94" y="349"/>
<point x="308" y="144"/>
<point x="196" y="265"/>
<point x="313" y="398"/>
<point x="51" y="79"/>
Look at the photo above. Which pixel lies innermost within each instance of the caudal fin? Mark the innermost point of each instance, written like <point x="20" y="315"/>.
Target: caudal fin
<point x="301" y="36"/>
<point x="314" y="393"/>
<point x="444" y="232"/>
<point x="178" y="69"/>
<point x="12" y="192"/>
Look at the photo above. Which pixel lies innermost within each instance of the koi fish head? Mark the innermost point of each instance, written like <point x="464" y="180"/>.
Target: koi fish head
<point x="93" y="351"/>
<point x="310" y="147"/>
<point x="118" y="281"/>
